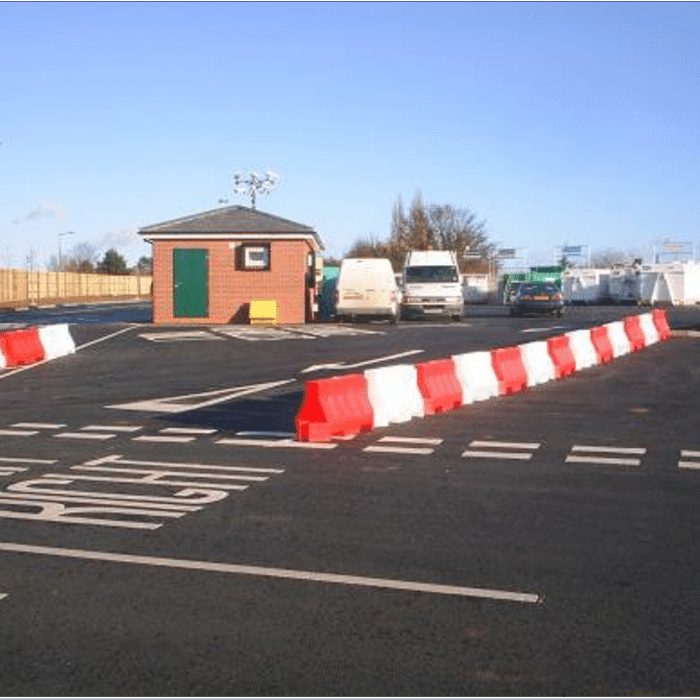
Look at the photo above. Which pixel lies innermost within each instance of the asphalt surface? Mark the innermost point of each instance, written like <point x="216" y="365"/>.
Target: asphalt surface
<point x="586" y="541"/>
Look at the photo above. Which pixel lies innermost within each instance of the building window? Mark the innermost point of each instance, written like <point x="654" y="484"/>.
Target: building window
<point x="254" y="256"/>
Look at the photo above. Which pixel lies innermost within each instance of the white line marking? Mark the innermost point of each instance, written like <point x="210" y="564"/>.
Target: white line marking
<point x="154" y="482"/>
<point x="18" y="433"/>
<point x="343" y="366"/>
<point x="114" y="428"/>
<point x="517" y="445"/>
<point x="163" y="438"/>
<point x="107" y="337"/>
<point x="614" y="450"/>
<point x="689" y="465"/>
<point x="9" y="471"/>
<point x="49" y="426"/>
<point x="290" y="574"/>
<point x="277" y="443"/>
<point x="497" y="455"/>
<point x="198" y="474"/>
<point x="690" y="453"/>
<point x="27" y="460"/>
<point x="185" y="431"/>
<point x="3" y="595"/>
<point x="86" y="436"/>
<point x="264" y="433"/>
<point x="400" y="450"/>
<point x="173" y="404"/>
<point x="116" y="459"/>
<point x="417" y="441"/>
<point x="603" y="460"/>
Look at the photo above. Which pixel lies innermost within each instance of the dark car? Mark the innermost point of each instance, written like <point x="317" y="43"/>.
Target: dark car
<point x="537" y="298"/>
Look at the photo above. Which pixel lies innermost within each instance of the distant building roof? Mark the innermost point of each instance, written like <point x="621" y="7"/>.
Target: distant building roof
<point x="228" y="221"/>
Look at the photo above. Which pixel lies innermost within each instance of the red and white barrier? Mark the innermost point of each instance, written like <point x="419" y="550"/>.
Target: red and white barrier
<point x="349" y="404"/>
<point x="618" y="338"/>
<point x="393" y="394"/>
<point x="476" y="376"/>
<point x="582" y="348"/>
<point x="651" y="334"/>
<point x="56" y="341"/>
<point x="538" y="364"/>
<point x="27" y="346"/>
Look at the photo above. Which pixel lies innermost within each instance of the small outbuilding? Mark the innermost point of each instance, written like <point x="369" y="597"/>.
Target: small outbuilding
<point x="208" y="267"/>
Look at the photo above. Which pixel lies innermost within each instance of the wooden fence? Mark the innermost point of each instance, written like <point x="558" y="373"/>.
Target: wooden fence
<point x="20" y="288"/>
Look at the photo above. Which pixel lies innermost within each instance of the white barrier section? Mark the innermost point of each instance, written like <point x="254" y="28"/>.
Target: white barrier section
<point x="582" y="348"/>
<point x="618" y="338"/>
<point x="3" y="361"/>
<point x="476" y="376"/>
<point x="56" y="341"/>
<point x="651" y="335"/>
<point x="537" y="361"/>
<point x="394" y="395"/>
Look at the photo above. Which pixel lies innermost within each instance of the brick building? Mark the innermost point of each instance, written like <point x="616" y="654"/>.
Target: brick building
<point x="208" y="267"/>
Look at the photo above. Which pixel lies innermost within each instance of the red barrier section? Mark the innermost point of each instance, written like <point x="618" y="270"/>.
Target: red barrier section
<point x="661" y="323"/>
<point x="562" y="357"/>
<point x="510" y="370"/>
<point x="634" y="333"/>
<point x="601" y="343"/>
<point x="438" y="385"/>
<point x="21" y="347"/>
<point x="334" y="406"/>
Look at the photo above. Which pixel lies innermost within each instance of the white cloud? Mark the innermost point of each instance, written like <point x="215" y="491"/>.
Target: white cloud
<point x="48" y="210"/>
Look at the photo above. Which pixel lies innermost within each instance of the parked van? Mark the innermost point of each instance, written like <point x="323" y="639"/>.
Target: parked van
<point x="367" y="288"/>
<point x="431" y="285"/>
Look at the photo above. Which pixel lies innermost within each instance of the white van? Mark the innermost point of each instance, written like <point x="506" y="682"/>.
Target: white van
<point x="367" y="287"/>
<point x="431" y="285"/>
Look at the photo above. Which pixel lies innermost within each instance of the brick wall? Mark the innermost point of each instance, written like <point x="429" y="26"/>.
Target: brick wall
<point x="231" y="290"/>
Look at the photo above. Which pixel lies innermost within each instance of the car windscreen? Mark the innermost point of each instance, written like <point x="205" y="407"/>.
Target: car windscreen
<point x="430" y="273"/>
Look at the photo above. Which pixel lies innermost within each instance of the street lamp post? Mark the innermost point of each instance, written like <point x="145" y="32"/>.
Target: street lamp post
<point x="60" y="260"/>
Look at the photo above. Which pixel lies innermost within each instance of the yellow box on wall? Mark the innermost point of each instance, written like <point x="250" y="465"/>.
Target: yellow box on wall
<point x="263" y="311"/>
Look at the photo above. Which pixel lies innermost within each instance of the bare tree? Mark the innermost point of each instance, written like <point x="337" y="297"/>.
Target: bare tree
<point x="611" y="256"/>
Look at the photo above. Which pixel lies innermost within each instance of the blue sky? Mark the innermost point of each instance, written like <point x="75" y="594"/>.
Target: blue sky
<point x="555" y="122"/>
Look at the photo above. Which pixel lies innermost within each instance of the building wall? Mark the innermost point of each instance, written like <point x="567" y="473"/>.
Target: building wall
<point x="232" y="290"/>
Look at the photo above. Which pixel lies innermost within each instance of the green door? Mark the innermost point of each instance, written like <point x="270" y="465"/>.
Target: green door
<point x="190" y="283"/>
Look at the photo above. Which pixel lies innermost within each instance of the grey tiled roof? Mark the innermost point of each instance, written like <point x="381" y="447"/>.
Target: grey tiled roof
<point x="229" y="220"/>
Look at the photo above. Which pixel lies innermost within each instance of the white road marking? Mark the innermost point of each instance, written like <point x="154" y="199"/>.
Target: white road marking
<point x="612" y="450"/>
<point x="683" y="464"/>
<point x="3" y="595"/>
<point x="155" y="480"/>
<point x="289" y="574"/>
<point x="582" y="459"/>
<point x="497" y="455"/>
<point x="186" y="431"/>
<point x="107" y="337"/>
<point x="179" y="404"/>
<point x="117" y="459"/>
<point x="400" y="450"/>
<point x="515" y="445"/>
<point x="40" y="426"/>
<point x="414" y="440"/>
<point x="276" y="443"/>
<point x="342" y="365"/>
<point x="28" y="460"/>
<point x="164" y="438"/>
<point x="196" y="474"/>
<point x="9" y="471"/>
<point x="264" y="433"/>
<point x="179" y="335"/>
<point x="114" y="428"/>
<point x="18" y="433"/>
<point x="540" y="329"/>
<point x="86" y="436"/>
